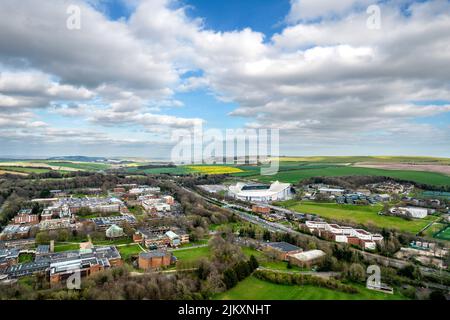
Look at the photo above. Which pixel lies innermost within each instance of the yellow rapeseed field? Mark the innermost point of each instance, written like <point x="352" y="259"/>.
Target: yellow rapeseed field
<point x="214" y="169"/>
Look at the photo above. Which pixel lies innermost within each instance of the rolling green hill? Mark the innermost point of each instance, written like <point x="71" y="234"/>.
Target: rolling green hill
<point x="297" y="175"/>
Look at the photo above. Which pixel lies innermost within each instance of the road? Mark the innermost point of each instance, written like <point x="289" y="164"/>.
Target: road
<point x="276" y="227"/>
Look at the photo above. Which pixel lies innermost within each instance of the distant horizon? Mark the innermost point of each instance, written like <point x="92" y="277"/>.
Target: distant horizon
<point x="332" y="78"/>
<point x="22" y="157"/>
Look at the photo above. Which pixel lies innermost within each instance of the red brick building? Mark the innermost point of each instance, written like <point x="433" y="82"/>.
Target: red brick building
<point x="260" y="209"/>
<point x="154" y="259"/>
<point x="23" y="218"/>
<point x="281" y="250"/>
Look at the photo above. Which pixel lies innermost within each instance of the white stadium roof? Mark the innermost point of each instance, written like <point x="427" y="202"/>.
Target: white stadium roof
<point x="271" y="190"/>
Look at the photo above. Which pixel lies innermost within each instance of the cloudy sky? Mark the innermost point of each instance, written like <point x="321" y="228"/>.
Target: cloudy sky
<point x="330" y="76"/>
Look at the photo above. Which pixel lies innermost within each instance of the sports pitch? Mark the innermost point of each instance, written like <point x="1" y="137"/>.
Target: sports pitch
<point x="444" y="234"/>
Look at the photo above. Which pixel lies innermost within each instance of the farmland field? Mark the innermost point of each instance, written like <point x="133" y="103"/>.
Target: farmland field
<point x="380" y="159"/>
<point x="364" y="215"/>
<point x="297" y="175"/>
<point x="214" y="169"/>
<point x="253" y="288"/>
<point x="42" y="166"/>
<point x="88" y="166"/>
<point x="163" y="170"/>
<point x="25" y="169"/>
<point x="13" y="172"/>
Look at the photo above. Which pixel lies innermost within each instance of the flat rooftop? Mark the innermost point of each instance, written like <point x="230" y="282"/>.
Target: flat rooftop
<point x="283" y="246"/>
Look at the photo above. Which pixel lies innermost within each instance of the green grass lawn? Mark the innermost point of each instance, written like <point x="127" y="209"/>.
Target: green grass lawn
<point x="433" y="229"/>
<point x="358" y="214"/>
<point x="194" y="243"/>
<point x="192" y="254"/>
<point x="66" y="247"/>
<point x="136" y="210"/>
<point x="101" y="214"/>
<point x="26" y="257"/>
<point x="250" y="251"/>
<point x="297" y="175"/>
<point x="444" y="235"/>
<point x="127" y="251"/>
<point x="256" y="289"/>
<point x="114" y="242"/>
<point x="280" y="265"/>
<point x="267" y="262"/>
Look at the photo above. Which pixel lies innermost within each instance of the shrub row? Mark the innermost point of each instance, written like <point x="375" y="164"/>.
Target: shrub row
<point x="302" y="279"/>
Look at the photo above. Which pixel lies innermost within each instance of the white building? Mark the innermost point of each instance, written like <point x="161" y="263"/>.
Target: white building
<point x="368" y="244"/>
<point x="261" y="193"/>
<point x="414" y="212"/>
<point x="316" y="225"/>
<point x="343" y="234"/>
<point x="332" y="191"/>
<point x="418" y="213"/>
<point x="306" y="258"/>
<point x="144" y="189"/>
<point x="158" y="206"/>
<point x="362" y="234"/>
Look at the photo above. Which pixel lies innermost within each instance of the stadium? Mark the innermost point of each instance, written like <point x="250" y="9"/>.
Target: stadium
<point x="260" y="192"/>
